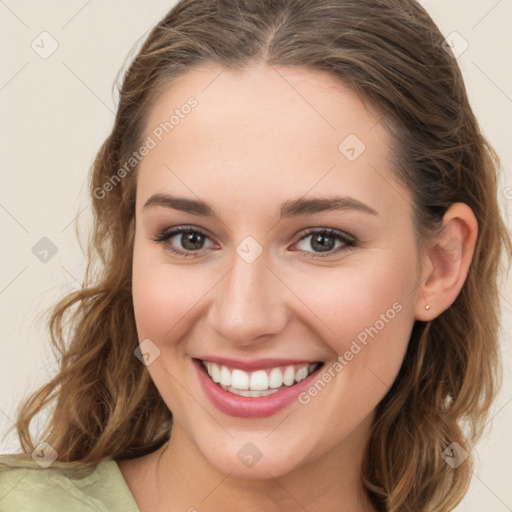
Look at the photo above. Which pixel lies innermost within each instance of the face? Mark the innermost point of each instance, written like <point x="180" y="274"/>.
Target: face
<point x="284" y="318"/>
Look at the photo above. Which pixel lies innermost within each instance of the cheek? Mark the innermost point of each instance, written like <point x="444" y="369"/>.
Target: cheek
<point x="365" y="312"/>
<point x="349" y="299"/>
<point x="152" y="300"/>
<point x="163" y="301"/>
<point x="369" y="315"/>
<point x="169" y="300"/>
<point x="163" y="296"/>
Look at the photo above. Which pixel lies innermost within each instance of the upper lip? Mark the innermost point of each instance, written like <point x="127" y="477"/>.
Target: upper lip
<point x="255" y="364"/>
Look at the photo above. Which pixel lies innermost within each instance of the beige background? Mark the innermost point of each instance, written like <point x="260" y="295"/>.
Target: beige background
<point x="56" y="112"/>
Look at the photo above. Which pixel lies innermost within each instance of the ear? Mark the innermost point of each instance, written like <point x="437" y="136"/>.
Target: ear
<point x="446" y="262"/>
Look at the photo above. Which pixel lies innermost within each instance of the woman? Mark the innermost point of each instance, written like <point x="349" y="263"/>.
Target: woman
<point x="297" y="309"/>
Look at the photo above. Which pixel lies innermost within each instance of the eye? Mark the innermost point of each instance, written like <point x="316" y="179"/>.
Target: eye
<point x="324" y="241"/>
<point x="191" y="239"/>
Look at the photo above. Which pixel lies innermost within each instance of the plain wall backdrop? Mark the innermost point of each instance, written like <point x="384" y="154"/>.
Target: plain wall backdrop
<point x="60" y="60"/>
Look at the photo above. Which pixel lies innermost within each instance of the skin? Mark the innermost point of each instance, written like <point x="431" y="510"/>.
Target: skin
<point x="245" y="153"/>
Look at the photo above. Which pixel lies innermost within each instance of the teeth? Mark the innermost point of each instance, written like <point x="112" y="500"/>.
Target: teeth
<point x="260" y="382"/>
<point x="275" y="379"/>
<point x="225" y="376"/>
<point x="214" y="372"/>
<point x="289" y="376"/>
<point x="250" y="393"/>
<point x="239" y="379"/>
<point x="301" y="374"/>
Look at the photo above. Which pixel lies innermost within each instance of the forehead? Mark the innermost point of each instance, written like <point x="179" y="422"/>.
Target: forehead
<point x="268" y="133"/>
<point x="264" y="100"/>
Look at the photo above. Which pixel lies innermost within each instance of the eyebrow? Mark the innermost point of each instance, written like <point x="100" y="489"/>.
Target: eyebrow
<point x="291" y="208"/>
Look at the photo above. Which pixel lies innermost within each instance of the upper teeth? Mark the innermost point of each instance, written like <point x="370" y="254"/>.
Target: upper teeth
<point x="258" y="380"/>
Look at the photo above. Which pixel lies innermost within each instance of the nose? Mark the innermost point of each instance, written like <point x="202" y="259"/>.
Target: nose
<point x="250" y="303"/>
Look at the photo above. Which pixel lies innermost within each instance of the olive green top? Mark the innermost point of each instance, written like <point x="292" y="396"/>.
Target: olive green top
<point x="26" y="485"/>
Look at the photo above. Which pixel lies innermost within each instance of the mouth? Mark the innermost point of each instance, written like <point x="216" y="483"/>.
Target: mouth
<point x="254" y="389"/>
<point x="260" y="382"/>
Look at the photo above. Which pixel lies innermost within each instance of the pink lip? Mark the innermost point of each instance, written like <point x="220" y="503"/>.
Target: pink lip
<point x="249" y="407"/>
<point x="255" y="364"/>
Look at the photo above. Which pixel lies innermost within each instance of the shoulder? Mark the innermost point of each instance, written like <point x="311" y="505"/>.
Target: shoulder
<point x="27" y="485"/>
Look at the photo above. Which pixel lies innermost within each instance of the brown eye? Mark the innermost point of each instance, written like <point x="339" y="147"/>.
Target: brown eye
<point x="324" y="241"/>
<point x="191" y="240"/>
<point x="183" y="241"/>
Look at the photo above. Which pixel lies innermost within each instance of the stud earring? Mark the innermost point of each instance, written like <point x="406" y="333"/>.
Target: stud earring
<point x="427" y="306"/>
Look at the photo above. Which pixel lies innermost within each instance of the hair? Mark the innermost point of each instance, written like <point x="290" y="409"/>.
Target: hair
<point x="391" y="54"/>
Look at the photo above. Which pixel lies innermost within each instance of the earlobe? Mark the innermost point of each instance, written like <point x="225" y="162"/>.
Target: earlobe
<point x="449" y="257"/>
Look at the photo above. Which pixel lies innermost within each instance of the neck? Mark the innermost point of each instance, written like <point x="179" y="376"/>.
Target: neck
<point x="186" y="481"/>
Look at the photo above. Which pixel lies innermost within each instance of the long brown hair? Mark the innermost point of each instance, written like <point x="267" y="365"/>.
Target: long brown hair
<point x="392" y="54"/>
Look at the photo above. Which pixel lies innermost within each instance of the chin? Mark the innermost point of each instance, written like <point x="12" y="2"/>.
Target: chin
<point x="254" y="460"/>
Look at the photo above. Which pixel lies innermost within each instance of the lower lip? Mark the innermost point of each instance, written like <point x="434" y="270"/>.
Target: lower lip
<point x="249" y="407"/>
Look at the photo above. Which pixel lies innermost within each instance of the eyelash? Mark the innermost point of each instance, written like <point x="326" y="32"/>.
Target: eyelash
<point x="165" y="235"/>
